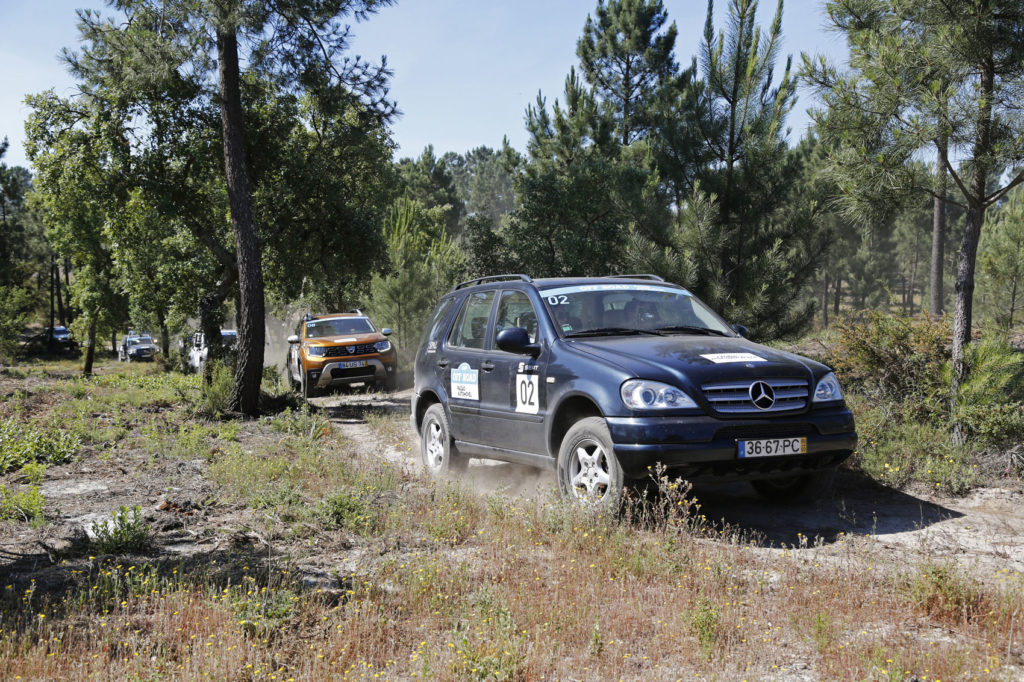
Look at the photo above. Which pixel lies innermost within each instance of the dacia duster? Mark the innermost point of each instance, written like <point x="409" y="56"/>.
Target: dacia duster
<point x="603" y="379"/>
<point x="338" y="350"/>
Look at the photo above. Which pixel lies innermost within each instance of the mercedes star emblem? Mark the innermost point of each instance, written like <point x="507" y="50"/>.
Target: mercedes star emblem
<point x="762" y="395"/>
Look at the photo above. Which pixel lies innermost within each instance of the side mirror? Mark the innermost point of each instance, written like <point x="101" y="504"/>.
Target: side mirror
<point x="387" y="331"/>
<point x="741" y="330"/>
<point x="516" y="340"/>
<point x="293" y="339"/>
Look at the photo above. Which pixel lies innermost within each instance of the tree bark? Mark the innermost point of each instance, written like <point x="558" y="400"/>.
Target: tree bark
<point x="209" y="324"/>
<point x="60" y="298"/>
<point x="962" y="314"/>
<point x="824" y="300"/>
<point x="938" y="232"/>
<point x="249" y="367"/>
<point x="90" y="346"/>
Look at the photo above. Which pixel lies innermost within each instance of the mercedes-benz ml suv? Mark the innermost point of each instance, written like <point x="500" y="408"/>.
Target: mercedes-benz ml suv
<point x="338" y="350"/>
<point x="602" y="379"/>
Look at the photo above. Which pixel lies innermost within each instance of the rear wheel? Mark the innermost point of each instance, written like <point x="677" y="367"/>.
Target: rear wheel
<point x="795" y="489"/>
<point x="588" y="470"/>
<point x="437" y="452"/>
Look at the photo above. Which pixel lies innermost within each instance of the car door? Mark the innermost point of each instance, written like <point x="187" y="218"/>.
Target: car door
<point x="459" y="364"/>
<point x="512" y="387"/>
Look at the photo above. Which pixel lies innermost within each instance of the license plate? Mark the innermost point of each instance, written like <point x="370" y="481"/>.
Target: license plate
<point x="772" y="447"/>
<point x="353" y="363"/>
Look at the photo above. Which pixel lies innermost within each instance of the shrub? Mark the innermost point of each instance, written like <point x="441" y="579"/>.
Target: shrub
<point x="348" y="510"/>
<point x="893" y="357"/>
<point x="215" y="397"/>
<point x="126" y="532"/>
<point x="21" y="444"/>
<point x="945" y="593"/>
<point x="26" y="505"/>
<point x="990" y="405"/>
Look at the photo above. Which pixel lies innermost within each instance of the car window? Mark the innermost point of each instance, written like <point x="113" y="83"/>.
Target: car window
<point x="338" y="326"/>
<point x="579" y="308"/>
<point x="471" y="328"/>
<point x="515" y="310"/>
<point x="433" y="328"/>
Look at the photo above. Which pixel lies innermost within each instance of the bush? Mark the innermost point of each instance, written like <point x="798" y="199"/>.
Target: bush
<point x="23" y="506"/>
<point x="21" y="444"/>
<point x="126" y="532"/>
<point x="215" y="397"/>
<point x="894" y="358"/>
<point x="990" y="405"/>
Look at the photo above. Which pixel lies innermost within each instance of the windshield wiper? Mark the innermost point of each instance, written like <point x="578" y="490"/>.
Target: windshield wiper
<point x="611" y="331"/>
<point x="687" y="329"/>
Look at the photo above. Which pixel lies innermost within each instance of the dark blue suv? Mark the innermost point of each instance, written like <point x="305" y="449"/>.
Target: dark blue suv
<point x="602" y="379"/>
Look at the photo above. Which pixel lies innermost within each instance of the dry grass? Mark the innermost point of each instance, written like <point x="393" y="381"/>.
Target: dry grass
<point x="453" y="585"/>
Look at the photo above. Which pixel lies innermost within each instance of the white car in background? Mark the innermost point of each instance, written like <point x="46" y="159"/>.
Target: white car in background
<point x="199" y="349"/>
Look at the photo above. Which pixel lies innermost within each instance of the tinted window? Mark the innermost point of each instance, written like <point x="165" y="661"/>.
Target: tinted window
<point x="433" y="328"/>
<point x="471" y="328"/>
<point x="515" y="310"/>
<point x="339" y="326"/>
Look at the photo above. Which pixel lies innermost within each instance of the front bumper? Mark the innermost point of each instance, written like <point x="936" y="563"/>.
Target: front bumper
<point x="334" y="374"/>
<point x="705" y="448"/>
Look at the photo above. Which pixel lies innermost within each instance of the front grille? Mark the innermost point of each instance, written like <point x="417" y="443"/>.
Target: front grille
<point x="341" y="351"/>
<point x="733" y="397"/>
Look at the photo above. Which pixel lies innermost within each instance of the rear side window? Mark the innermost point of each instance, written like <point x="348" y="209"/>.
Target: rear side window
<point x="471" y="327"/>
<point x="433" y="329"/>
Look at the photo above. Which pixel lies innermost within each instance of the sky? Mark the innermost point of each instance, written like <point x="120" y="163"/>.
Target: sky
<point x="464" y="71"/>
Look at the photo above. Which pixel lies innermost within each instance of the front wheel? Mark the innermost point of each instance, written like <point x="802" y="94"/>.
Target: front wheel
<point x="588" y="470"/>
<point x="795" y="489"/>
<point x="437" y="452"/>
<point x="305" y="387"/>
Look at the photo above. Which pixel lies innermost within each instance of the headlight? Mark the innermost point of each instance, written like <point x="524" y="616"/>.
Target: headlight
<point x="383" y="346"/>
<point x="827" y="389"/>
<point x="317" y="351"/>
<point x="640" y="394"/>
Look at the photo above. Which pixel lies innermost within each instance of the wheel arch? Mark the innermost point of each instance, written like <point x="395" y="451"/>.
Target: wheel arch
<point x="569" y="411"/>
<point x="423" y="403"/>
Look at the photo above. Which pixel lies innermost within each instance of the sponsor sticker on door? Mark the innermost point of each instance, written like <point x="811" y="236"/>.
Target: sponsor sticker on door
<point x="465" y="382"/>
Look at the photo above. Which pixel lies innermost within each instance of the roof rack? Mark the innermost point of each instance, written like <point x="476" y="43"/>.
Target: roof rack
<point x="639" y="276"/>
<point x="491" y="278"/>
<point x="356" y="311"/>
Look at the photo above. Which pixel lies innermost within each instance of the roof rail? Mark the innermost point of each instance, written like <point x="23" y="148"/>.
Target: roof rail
<point x="490" y="278"/>
<point x="638" y="276"/>
<point x="356" y="311"/>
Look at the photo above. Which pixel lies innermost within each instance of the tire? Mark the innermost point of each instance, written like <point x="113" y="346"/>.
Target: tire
<point x="291" y="377"/>
<point x="796" y="489"/>
<point x="588" y="470"/>
<point x="437" y="452"/>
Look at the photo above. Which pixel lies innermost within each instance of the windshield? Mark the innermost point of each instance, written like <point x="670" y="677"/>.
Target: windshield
<point x="338" y="326"/>
<point x="138" y="340"/>
<point x="630" y="308"/>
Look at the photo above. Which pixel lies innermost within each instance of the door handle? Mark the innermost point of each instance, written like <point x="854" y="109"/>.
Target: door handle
<point x="487" y="365"/>
<point x="442" y="363"/>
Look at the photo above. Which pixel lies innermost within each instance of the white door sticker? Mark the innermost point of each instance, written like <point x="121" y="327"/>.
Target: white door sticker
<point x="465" y="382"/>
<point x="527" y="393"/>
<point x="719" y="358"/>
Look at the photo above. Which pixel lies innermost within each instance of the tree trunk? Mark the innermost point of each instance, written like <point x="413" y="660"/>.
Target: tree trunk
<point x="209" y="324"/>
<point x="60" y="299"/>
<point x="964" y="289"/>
<point x="67" y="289"/>
<point x="837" y="300"/>
<point x="165" y="336"/>
<point x="90" y="346"/>
<point x="249" y="368"/>
<point x="938" y="233"/>
<point x="49" y="335"/>
<point x="824" y="300"/>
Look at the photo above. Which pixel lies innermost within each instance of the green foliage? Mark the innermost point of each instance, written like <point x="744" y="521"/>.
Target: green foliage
<point x="125" y="533"/>
<point x="895" y="358"/>
<point x="704" y="620"/>
<point x="945" y="592"/>
<point x="14" y="309"/>
<point x="425" y="263"/>
<point x="33" y="472"/>
<point x="1002" y="263"/>
<point x="215" y="397"/>
<point x="990" y="403"/>
<point x="304" y="422"/>
<point x="428" y="181"/>
<point x="25" y="505"/>
<point x="21" y="444"/>
<point x="350" y="510"/>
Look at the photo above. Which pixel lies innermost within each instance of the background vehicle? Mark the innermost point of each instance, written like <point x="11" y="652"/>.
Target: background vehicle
<point x="199" y="349"/>
<point x="339" y="350"/>
<point x="134" y="347"/>
<point x="603" y="379"/>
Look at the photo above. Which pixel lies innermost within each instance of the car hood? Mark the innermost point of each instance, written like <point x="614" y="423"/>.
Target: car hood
<point x="346" y="340"/>
<point x="141" y="346"/>
<point x="695" y="360"/>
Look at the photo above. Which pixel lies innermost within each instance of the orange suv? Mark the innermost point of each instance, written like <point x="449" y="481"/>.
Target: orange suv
<point x="338" y="350"/>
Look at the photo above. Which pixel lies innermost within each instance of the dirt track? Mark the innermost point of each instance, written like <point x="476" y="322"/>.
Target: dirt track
<point x="981" y="531"/>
